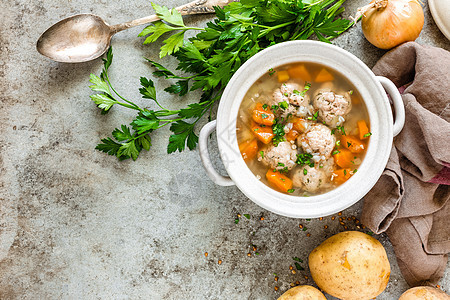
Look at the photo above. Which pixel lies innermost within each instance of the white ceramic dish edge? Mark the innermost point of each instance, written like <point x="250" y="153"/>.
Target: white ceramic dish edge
<point x="378" y="151"/>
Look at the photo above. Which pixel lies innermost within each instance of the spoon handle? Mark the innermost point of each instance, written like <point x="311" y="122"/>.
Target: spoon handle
<point x="192" y="8"/>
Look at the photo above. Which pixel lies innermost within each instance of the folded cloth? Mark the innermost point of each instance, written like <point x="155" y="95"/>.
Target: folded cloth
<point x="410" y="202"/>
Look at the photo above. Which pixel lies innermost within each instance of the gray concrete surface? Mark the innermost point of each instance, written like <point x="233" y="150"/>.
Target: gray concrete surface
<point x="77" y="224"/>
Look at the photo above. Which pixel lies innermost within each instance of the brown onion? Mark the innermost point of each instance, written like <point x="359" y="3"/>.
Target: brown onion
<point x="388" y="23"/>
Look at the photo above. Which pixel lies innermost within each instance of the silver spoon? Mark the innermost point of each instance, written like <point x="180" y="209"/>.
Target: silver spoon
<point x="85" y="37"/>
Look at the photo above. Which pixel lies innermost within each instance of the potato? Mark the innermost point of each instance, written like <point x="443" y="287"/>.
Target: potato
<point x="350" y="265"/>
<point x="424" y="293"/>
<point x="303" y="292"/>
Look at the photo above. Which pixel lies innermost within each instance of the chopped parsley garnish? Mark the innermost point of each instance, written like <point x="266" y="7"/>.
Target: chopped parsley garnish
<point x="305" y="159"/>
<point x="256" y="129"/>
<point x="304" y="228"/>
<point x="300" y="268"/>
<point x="286" y="94"/>
<point x="274" y="107"/>
<point x="332" y="131"/>
<point x="355" y="170"/>
<point x="370" y="233"/>
<point x="341" y="129"/>
<point x="284" y="105"/>
<point x="335" y="152"/>
<point x="264" y="116"/>
<point x="308" y="219"/>
<point x="247" y="216"/>
<point x="278" y="131"/>
<point x="280" y="164"/>
<point x="345" y="172"/>
<point x="349" y="144"/>
<point x="338" y="143"/>
<point x="350" y="92"/>
<point x="291" y="191"/>
<point x="236" y="220"/>
<point x="315" y="115"/>
<point x="296" y="92"/>
<point x="305" y="89"/>
<point x="271" y="72"/>
<point x="297" y="259"/>
<point x="265" y="106"/>
<point x="305" y="171"/>
<point x="261" y="153"/>
<point x="367" y="134"/>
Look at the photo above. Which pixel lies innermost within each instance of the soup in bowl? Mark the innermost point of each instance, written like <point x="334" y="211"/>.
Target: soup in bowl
<point x="304" y="129"/>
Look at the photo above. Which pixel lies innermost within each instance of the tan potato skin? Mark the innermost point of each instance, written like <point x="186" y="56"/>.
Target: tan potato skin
<point x="350" y="265"/>
<point x="303" y="292"/>
<point x="424" y="293"/>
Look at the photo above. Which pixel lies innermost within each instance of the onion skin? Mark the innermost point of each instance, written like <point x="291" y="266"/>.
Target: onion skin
<point x="400" y="21"/>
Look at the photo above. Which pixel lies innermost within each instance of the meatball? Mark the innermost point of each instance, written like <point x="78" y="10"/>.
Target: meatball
<point x="333" y="108"/>
<point x="280" y="157"/>
<point x="310" y="179"/>
<point x="317" y="141"/>
<point x="291" y="94"/>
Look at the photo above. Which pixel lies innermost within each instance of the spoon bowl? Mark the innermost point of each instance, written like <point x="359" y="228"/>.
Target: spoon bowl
<point x="78" y="38"/>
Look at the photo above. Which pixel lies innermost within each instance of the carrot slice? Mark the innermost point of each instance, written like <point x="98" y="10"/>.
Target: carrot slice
<point x="341" y="175"/>
<point x="363" y="130"/>
<point x="263" y="116"/>
<point x="292" y="135"/>
<point x="352" y="143"/>
<point x="248" y="149"/>
<point x="264" y="134"/>
<point x="324" y="76"/>
<point x="279" y="181"/>
<point x="283" y="76"/>
<point x="299" y="124"/>
<point x="343" y="158"/>
<point x="299" y="71"/>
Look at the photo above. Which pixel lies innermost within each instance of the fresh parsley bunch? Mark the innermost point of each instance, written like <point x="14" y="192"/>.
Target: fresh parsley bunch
<point x="239" y="31"/>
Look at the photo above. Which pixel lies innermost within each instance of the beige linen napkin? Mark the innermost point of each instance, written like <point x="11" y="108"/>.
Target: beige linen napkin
<point x="410" y="201"/>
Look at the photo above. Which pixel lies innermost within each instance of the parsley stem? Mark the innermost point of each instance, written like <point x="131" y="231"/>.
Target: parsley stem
<point x="112" y="88"/>
<point x="135" y="107"/>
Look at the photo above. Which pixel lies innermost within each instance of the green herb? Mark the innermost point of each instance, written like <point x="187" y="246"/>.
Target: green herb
<point x="305" y="89"/>
<point x="370" y="233"/>
<point x="297" y="259"/>
<point x="305" y="159"/>
<point x="304" y="228"/>
<point x="280" y="164"/>
<point x="265" y="107"/>
<point x="274" y="107"/>
<point x="286" y="94"/>
<point x="305" y="171"/>
<point x="355" y="170"/>
<point x="261" y="153"/>
<point x="256" y="253"/>
<point x="332" y="131"/>
<point x="247" y="216"/>
<point x="236" y="220"/>
<point x="300" y="268"/>
<point x="308" y="219"/>
<point x="284" y="105"/>
<point x="349" y="144"/>
<point x="345" y="172"/>
<point x="315" y="116"/>
<point x="210" y="58"/>
<point x="338" y="143"/>
<point x="335" y="152"/>
<point x="296" y="92"/>
<point x="271" y="72"/>
<point x="350" y="92"/>
<point x="264" y="116"/>
<point x="278" y="131"/>
<point x="291" y="191"/>
<point x="341" y="129"/>
<point x="367" y="134"/>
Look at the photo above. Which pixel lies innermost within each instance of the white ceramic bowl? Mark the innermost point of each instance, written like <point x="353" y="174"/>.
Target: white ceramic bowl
<point x="374" y="95"/>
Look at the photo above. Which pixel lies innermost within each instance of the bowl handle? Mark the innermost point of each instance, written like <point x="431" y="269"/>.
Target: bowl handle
<point x="399" y="108"/>
<point x="204" y="155"/>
